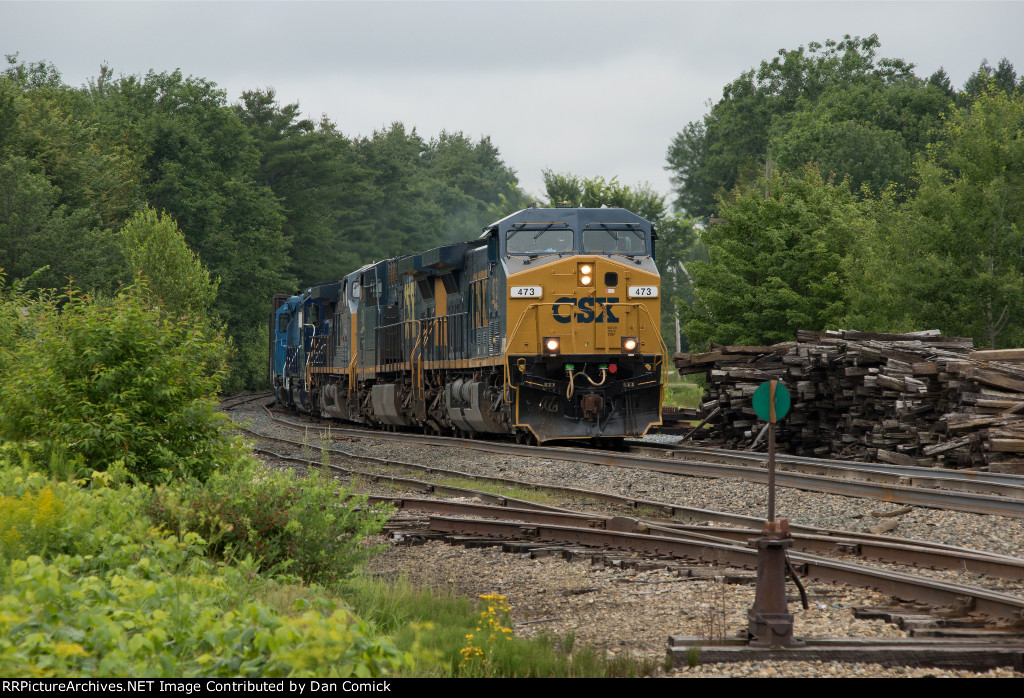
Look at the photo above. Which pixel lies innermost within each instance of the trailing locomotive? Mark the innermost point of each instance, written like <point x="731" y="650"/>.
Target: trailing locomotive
<point x="546" y="327"/>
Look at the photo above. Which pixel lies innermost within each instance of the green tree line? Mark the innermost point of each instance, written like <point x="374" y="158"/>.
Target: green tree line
<point x="827" y="188"/>
<point x="133" y="174"/>
<point x="836" y="189"/>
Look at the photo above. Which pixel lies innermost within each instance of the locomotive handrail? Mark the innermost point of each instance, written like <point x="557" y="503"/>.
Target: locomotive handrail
<point x="417" y="367"/>
<point x="314" y="348"/>
<point x="352" y="367"/>
<point x="664" y="358"/>
<point x="508" y="351"/>
<point x="452" y="326"/>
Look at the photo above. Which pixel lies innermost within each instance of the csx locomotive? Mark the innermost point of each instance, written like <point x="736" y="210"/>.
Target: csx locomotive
<point x="546" y="327"/>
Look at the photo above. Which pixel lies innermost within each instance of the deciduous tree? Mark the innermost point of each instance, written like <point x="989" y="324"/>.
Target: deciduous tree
<point x="951" y="256"/>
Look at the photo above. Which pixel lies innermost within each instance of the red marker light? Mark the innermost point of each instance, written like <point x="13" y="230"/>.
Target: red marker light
<point x="612" y="368"/>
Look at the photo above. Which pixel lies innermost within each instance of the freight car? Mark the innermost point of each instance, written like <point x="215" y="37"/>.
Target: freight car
<point x="546" y="327"/>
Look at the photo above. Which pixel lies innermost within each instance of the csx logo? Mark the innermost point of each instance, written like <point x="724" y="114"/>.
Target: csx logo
<point x="585" y="310"/>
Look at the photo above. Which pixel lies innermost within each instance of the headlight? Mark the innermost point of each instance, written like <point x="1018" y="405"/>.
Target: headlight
<point x="629" y="345"/>
<point x="586" y="274"/>
<point x="551" y="346"/>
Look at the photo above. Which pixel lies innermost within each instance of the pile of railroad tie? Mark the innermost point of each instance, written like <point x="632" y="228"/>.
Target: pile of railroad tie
<point x="912" y="399"/>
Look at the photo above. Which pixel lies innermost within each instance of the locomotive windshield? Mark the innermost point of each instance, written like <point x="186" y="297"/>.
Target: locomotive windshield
<point x="608" y="239"/>
<point x="539" y="239"/>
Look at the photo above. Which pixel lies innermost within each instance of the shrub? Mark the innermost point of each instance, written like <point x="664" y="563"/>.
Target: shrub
<point x="89" y="587"/>
<point x="275" y="517"/>
<point x="50" y="516"/>
<point x="170" y="613"/>
<point x="113" y="380"/>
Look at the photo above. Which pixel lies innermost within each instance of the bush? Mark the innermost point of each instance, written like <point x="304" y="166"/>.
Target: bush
<point x="170" y="613"/>
<point x="88" y="587"/>
<point x="274" y="517"/>
<point x="113" y="380"/>
<point x="48" y="516"/>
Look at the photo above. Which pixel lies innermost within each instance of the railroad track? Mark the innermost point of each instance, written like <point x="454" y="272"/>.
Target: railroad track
<point x="604" y="533"/>
<point x="232" y="401"/>
<point x="738" y="527"/>
<point x="1003" y="494"/>
<point x="702" y="543"/>
<point x="1001" y="484"/>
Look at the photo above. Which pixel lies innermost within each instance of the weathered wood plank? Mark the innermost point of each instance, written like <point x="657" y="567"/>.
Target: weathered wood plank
<point x="997" y="355"/>
<point x="996" y="380"/>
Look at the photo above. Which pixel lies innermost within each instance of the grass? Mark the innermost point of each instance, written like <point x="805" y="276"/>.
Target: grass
<point x="437" y="627"/>
<point x="683" y="394"/>
<point x="649" y="512"/>
<point x="683" y="391"/>
<point x="500" y="490"/>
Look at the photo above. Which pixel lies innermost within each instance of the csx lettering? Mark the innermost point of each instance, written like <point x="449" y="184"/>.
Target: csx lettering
<point x="585" y="310"/>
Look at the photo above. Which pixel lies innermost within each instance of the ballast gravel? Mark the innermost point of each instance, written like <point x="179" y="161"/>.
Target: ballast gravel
<point x="622" y="609"/>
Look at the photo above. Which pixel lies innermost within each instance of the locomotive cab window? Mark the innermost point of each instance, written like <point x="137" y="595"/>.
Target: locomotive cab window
<point x="607" y="240"/>
<point x="539" y="240"/>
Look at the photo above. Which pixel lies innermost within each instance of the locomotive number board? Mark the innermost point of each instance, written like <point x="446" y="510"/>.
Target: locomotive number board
<point x="524" y="291"/>
<point x="643" y="292"/>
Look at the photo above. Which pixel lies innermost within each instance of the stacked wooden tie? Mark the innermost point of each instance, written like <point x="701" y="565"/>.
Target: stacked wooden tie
<point x="914" y="399"/>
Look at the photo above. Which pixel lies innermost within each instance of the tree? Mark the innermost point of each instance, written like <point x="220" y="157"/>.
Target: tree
<point x="821" y="104"/>
<point x="114" y="380"/>
<point x="775" y="261"/>
<point x="405" y="217"/>
<point x="860" y="129"/>
<point x="471" y="183"/>
<point x="953" y="253"/>
<point x="155" y="248"/>
<point x="595" y="192"/>
<point x="679" y="245"/>
<point x="199" y="163"/>
<point x="62" y="185"/>
<point x="1002" y="77"/>
<point x="312" y="170"/>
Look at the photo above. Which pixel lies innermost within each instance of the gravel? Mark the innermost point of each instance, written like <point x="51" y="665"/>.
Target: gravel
<point x="635" y="610"/>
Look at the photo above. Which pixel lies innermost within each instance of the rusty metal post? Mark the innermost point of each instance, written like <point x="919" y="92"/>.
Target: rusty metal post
<point x="770" y="622"/>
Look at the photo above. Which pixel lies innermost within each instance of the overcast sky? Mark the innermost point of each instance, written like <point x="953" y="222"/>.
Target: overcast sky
<point x="592" y="88"/>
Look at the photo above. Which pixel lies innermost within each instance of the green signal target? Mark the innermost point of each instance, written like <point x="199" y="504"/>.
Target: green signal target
<point x="761" y="400"/>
